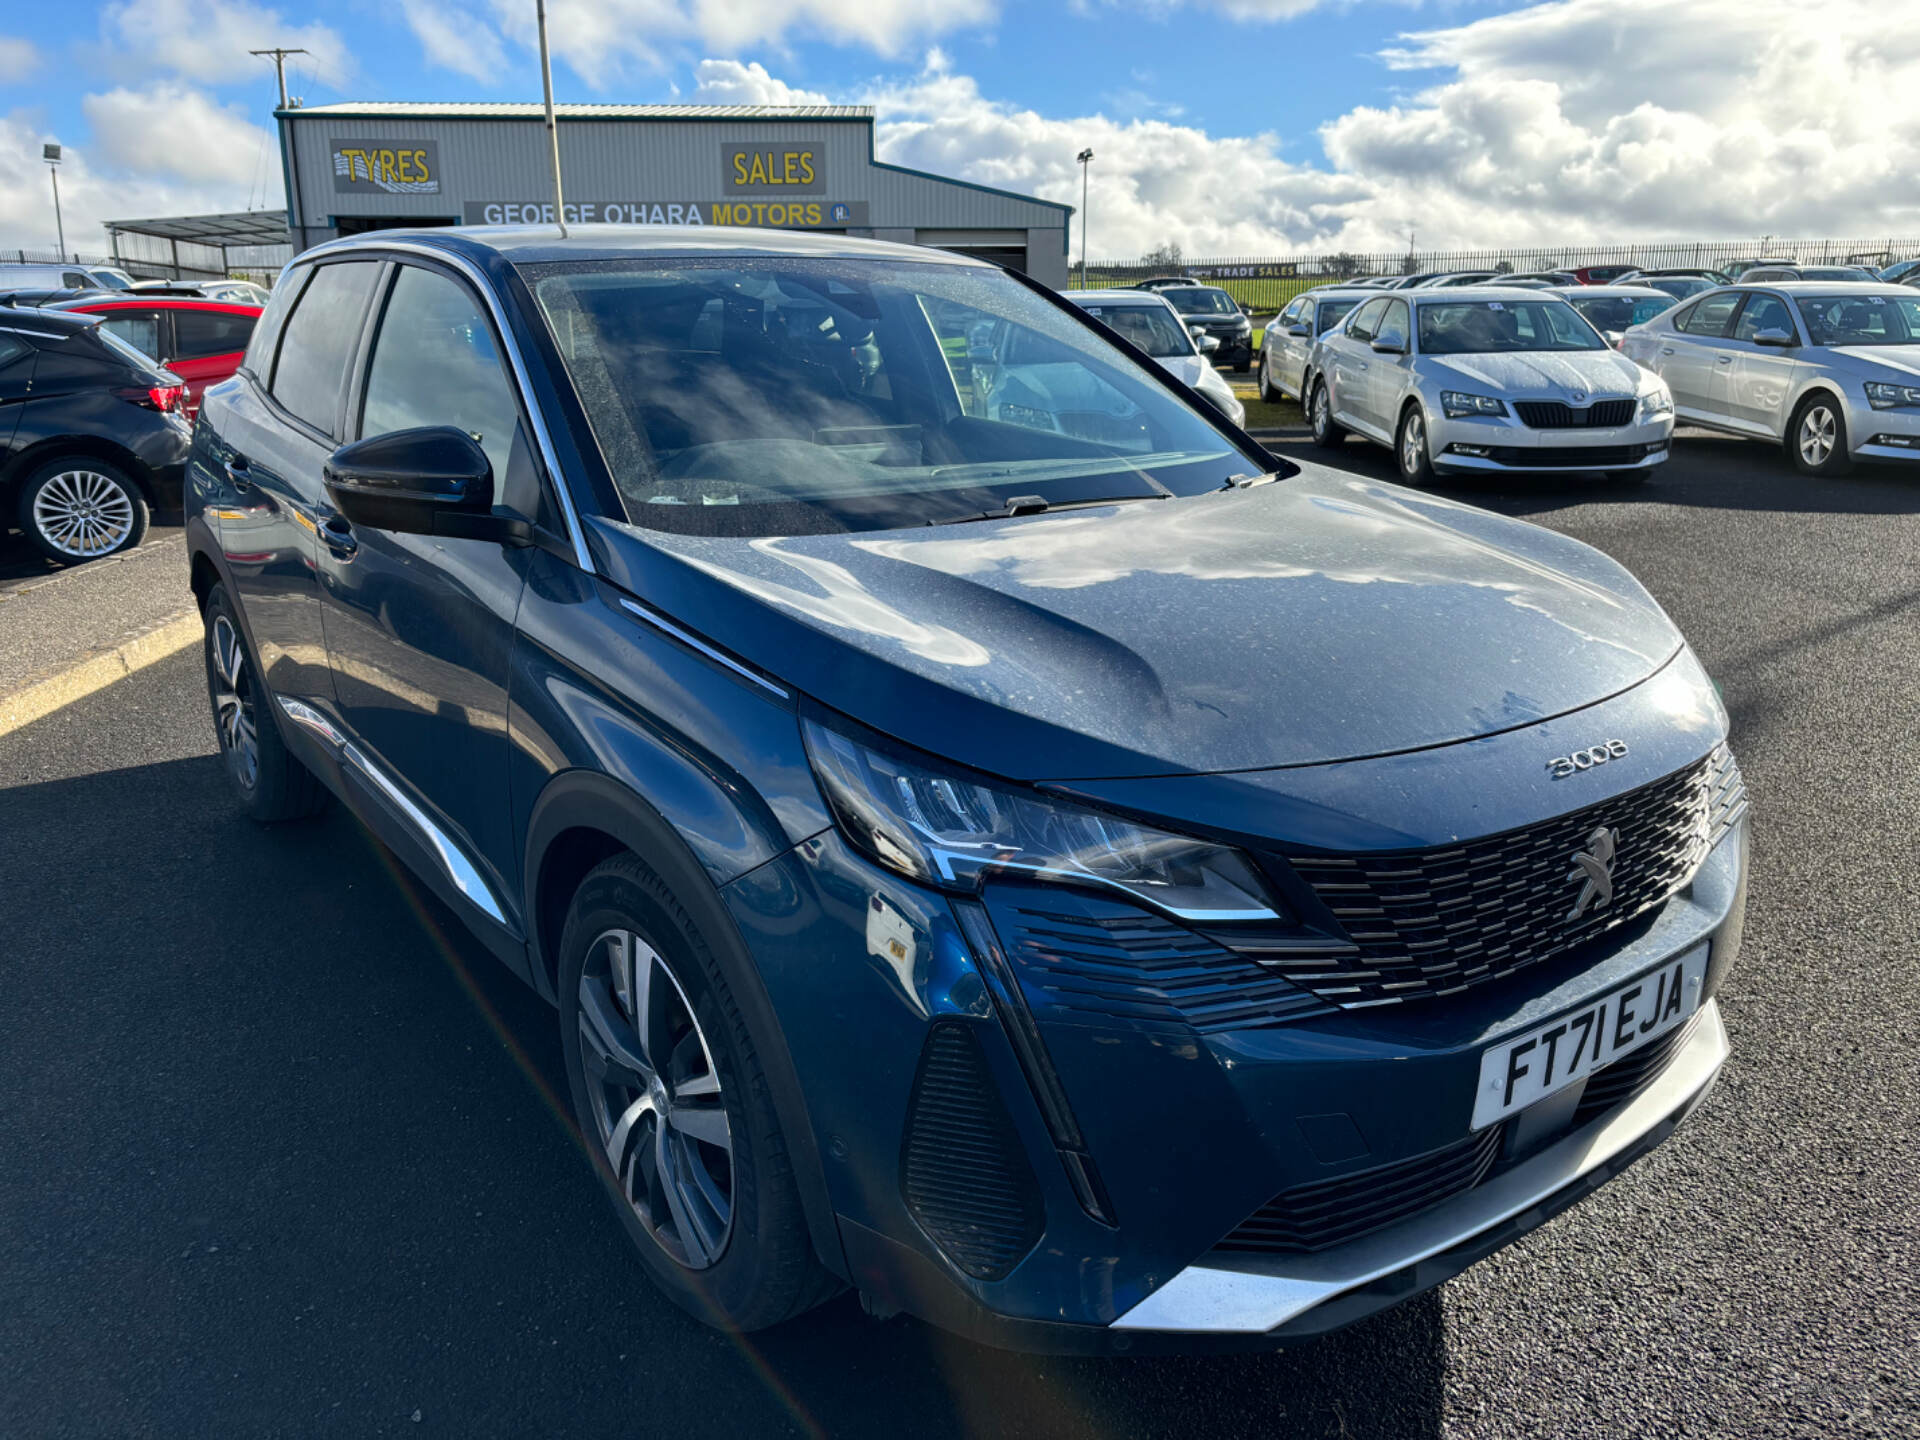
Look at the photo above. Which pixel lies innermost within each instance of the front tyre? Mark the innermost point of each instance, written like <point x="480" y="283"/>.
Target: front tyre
<point x="1817" y="438"/>
<point x="1327" y="433"/>
<point x="674" y="1106"/>
<point x="271" y="784"/>
<point x="1411" y="447"/>
<point x="80" y="508"/>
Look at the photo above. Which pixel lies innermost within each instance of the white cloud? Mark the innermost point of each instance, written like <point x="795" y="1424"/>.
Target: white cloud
<point x="728" y="82"/>
<point x="208" y="40"/>
<point x="18" y="58"/>
<point x="455" y="39"/>
<point x="604" y="40"/>
<point x="171" y="130"/>
<point x="91" y="192"/>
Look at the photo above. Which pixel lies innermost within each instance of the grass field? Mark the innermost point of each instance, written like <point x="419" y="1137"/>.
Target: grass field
<point x="1284" y="415"/>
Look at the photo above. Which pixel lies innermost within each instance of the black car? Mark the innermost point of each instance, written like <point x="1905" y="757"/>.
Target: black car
<point x="92" y="434"/>
<point x="1212" y="311"/>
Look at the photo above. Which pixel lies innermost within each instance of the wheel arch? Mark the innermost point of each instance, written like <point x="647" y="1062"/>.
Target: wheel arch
<point x="583" y="818"/>
<point x="97" y="447"/>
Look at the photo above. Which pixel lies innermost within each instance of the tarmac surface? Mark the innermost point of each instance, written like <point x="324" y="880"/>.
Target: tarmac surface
<point x="285" y="1153"/>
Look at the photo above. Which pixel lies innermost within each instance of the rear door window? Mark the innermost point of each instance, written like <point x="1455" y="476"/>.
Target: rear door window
<point x="319" y="339"/>
<point x="1713" y="316"/>
<point x="198" y="334"/>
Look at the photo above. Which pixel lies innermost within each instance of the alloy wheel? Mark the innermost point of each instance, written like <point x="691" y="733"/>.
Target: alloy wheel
<point x="1818" y="433"/>
<point x="82" y="514"/>
<point x="233" y="703"/>
<point x="1321" y="417"/>
<point x="656" y="1098"/>
<point x="1413" y="444"/>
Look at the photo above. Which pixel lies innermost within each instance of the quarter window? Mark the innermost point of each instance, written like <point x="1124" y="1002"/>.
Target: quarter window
<point x="1713" y="316"/>
<point x="319" y="338"/>
<point x="435" y="363"/>
<point x="139" y="328"/>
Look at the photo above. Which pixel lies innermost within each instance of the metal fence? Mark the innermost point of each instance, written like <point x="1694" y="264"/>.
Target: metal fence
<point x="1268" y="282"/>
<point x="262" y="263"/>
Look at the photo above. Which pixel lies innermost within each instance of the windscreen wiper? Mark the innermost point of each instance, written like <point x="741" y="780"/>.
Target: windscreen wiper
<point x="1040" y="505"/>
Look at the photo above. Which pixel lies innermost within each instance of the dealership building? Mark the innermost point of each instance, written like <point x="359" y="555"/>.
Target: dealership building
<point x="351" y="168"/>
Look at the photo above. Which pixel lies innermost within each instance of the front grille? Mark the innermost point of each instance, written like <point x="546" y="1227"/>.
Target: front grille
<point x="962" y="1169"/>
<point x="1435" y="922"/>
<point x="1628" y="1076"/>
<point x="1578" y="457"/>
<point x="1554" y="415"/>
<point x="1117" y="961"/>
<point x="1333" y="1212"/>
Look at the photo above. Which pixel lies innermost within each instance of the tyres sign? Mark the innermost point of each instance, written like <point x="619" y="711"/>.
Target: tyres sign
<point x="386" y="167"/>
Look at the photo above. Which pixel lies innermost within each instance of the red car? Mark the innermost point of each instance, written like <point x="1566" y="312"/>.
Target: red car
<point x="201" y="341"/>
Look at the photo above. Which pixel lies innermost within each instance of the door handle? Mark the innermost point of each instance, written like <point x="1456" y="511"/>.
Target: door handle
<point x="239" y="472"/>
<point x="336" y="533"/>
<point x="1726" y="359"/>
<point x="1666" y="349"/>
<point x="1363" y="364"/>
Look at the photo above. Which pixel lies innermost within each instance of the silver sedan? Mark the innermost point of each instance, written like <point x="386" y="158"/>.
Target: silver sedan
<point x="1485" y="378"/>
<point x="1830" y="370"/>
<point x="1289" y="336"/>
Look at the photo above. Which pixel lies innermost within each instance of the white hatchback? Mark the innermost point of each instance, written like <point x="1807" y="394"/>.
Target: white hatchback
<point x="1486" y="378"/>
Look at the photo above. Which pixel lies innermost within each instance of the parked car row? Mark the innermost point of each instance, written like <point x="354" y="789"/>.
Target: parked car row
<point x="98" y="390"/>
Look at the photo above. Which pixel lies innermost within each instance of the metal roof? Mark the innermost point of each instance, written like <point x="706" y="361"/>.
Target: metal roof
<point x="231" y="230"/>
<point x="533" y="110"/>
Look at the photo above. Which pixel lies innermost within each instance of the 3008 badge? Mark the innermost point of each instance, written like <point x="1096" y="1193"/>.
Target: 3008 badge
<point x="1561" y="766"/>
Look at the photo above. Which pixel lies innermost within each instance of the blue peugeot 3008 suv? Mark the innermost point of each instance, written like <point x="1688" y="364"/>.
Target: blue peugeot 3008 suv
<point x="995" y="836"/>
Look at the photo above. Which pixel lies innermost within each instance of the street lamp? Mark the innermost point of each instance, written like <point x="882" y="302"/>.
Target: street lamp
<point x="1085" y="157"/>
<point x="51" y="154"/>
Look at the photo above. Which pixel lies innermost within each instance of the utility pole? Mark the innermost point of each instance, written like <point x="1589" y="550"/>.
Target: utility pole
<point x="1085" y="157"/>
<point x="553" y="130"/>
<point x="51" y="154"/>
<point x="279" y="68"/>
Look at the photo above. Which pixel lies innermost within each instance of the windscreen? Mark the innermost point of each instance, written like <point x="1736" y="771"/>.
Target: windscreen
<point x="1476" y="327"/>
<point x="758" y="397"/>
<point x="1861" y="319"/>
<point x="1618" y="312"/>
<point x="1152" y="328"/>
<point x="1202" y="302"/>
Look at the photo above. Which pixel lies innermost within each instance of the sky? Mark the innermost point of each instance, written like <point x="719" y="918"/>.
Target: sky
<point x="1227" y="127"/>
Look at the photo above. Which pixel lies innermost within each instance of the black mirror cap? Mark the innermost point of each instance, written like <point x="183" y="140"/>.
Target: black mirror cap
<point x="435" y="480"/>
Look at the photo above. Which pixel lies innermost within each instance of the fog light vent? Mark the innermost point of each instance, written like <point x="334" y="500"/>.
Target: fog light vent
<point x="962" y="1169"/>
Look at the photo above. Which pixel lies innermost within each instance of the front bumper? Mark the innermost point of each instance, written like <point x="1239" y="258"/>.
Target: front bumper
<point x="1296" y="1296"/>
<point x="1883" y="434"/>
<point x="1503" y="443"/>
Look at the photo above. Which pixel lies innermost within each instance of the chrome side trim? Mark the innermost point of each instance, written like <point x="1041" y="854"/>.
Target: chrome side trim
<point x="576" y="535"/>
<point x="464" y="874"/>
<point x="666" y="626"/>
<point x="1266" y="1294"/>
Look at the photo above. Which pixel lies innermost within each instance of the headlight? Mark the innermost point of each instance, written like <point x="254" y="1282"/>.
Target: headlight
<point x="949" y="830"/>
<point x="1884" y="397"/>
<point x="1458" y="406"/>
<point x="1656" y="402"/>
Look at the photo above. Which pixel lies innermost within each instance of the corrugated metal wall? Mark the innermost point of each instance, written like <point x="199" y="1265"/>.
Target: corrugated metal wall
<point x="630" y="161"/>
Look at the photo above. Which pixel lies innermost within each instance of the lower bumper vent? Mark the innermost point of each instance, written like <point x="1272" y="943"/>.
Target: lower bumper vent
<point x="963" y="1171"/>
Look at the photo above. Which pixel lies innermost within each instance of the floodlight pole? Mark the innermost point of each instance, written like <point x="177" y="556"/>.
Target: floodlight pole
<point x="279" y="68"/>
<point x="1085" y="157"/>
<point x="59" y="227"/>
<point x="553" y="130"/>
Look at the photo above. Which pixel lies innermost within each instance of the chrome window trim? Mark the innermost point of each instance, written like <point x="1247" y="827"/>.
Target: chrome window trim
<point x="693" y="642"/>
<point x="464" y="874"/>
<point x="576" y="534"/>
<point x="1263" y="1295"/>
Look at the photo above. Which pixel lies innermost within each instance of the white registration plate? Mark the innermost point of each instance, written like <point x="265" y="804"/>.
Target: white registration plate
<point x="1546" y="1059"/>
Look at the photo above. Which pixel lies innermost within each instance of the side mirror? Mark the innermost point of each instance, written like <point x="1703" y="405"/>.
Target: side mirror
<point x="432" y="481"/>
<point x="1303" y="332"/>
<point x="1387" y="345"/>
<point x="1614" y="338"/>
<point x="1207" y="343"/>
<point x="1778" y="339"/>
